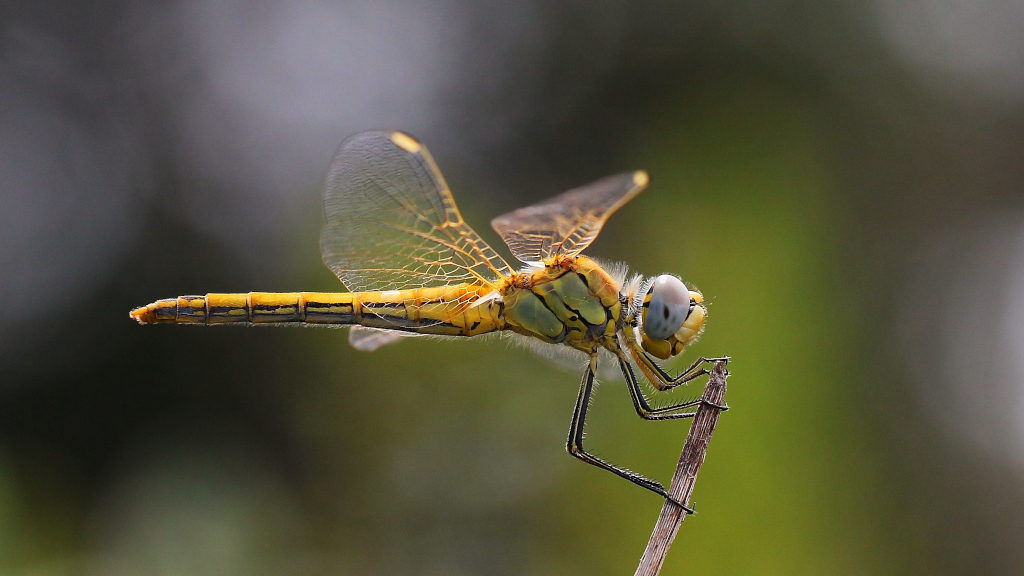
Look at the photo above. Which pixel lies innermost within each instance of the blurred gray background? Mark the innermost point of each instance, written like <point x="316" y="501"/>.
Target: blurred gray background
<point x="842" y="180"/>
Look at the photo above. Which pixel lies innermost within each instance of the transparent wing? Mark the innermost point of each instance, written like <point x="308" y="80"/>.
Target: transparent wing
<point x="569" y="222"/>
<point x="569" y="359"/>
<point x="369" y="339"/>
<point x="392" y="223"/>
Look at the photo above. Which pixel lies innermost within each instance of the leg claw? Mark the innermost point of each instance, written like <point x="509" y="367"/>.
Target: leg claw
<point x="668" y="497"/>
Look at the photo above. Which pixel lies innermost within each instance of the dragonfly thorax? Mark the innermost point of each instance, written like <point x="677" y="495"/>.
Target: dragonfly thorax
<point x="573" y="301"/>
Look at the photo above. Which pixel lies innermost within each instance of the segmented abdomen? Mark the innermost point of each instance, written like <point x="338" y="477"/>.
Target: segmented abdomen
<point x="442" y="310"/>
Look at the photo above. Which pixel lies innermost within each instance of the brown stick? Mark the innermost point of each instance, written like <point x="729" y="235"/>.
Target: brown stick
<point x="681" y="488"/>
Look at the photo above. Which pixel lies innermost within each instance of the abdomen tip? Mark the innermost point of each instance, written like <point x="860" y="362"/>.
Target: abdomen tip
<point x="142" y="314"/>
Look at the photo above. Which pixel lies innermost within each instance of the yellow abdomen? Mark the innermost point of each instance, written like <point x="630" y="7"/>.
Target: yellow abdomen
<point x="444" y="310"/>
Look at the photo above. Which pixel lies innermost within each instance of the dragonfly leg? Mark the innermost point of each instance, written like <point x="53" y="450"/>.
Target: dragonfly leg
<point x="644" y="408"/>
<point x="662" y="380"/>
<point x="575" y="442"/>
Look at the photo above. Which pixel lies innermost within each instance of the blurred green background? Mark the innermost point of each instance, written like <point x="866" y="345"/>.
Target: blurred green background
<point x="842" y="181"/>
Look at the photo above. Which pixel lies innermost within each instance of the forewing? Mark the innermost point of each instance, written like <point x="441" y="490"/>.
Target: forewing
<point x="570" y="359"/>
<point x="392" y="223"/>
<point x="568" y="223"/>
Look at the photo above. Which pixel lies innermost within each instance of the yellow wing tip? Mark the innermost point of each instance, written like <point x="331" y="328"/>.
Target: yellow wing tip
<point x="641" y="178"/>
<point x="406" y="142"/>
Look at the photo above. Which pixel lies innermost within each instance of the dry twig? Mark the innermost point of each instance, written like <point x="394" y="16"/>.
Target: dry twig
<point x="686" y="473"/>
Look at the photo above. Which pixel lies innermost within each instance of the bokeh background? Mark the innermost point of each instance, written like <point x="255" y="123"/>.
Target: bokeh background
<point x="843" y="180"/>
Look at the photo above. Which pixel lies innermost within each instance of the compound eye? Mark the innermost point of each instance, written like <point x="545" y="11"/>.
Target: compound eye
<point x="667" y="308"/>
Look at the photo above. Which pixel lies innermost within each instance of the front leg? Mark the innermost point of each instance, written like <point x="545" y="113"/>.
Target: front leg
<point x="661" y="379"/>
<point x="642" y="405"/>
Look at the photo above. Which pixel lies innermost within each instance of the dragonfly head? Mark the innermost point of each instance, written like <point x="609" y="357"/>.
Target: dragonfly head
<point x="672" y="317"/>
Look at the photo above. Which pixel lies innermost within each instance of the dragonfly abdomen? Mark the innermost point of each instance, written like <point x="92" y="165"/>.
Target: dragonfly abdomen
<point x="443" y="310"/>
<point x="250" y="308"/>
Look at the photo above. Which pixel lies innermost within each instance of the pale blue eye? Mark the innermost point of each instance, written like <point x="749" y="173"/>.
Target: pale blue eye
<point x="668" y="307"/>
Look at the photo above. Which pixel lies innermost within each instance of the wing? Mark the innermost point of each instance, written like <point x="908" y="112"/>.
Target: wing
<point x="568" y="223"/>
<point x="392" y="223"/>
<point x="369" y="339"/>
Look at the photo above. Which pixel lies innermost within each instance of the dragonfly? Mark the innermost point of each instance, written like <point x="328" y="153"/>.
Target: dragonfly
<point x="412" y="266"/>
